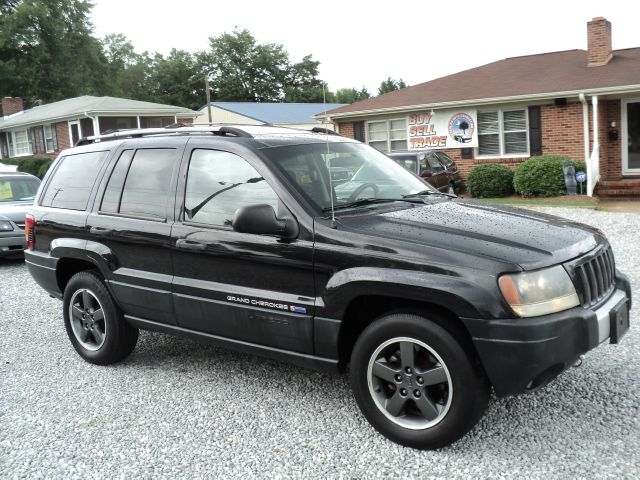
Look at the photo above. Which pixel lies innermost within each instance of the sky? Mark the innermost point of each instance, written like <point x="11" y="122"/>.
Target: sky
<point x="362" y="43"/>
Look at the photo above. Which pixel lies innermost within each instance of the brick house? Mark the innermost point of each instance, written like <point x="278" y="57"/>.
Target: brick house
<point x="47" y="129"/>
<point x="582" y="104"/>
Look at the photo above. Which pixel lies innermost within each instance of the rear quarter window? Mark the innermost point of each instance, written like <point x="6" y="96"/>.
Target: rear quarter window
<point x="73" y="180"/>
<point x="140" y="182"/>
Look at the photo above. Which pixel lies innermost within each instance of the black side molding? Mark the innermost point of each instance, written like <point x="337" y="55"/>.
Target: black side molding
<point x="300" y="359"/>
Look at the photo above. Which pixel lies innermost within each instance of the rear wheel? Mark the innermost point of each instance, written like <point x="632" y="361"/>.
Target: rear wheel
<point x="94" y="323"/>
<point x="415" y="383"/>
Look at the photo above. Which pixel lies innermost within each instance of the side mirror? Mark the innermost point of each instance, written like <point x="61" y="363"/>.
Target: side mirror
<point x="262" y="220"/>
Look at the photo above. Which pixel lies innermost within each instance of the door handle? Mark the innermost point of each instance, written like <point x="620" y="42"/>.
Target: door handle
<point x="190" y="245"/>
<point x="100" y="230"/>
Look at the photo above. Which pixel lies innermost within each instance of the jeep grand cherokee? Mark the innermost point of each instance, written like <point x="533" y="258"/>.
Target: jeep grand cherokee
<point x="237" y="236"/>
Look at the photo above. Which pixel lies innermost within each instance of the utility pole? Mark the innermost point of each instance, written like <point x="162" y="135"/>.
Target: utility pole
<point x="206" y="87"/>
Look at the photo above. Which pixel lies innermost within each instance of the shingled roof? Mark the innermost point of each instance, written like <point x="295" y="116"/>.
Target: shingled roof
<point x="78" y="106"/>
<point x="277" y="113"/>
<point x="547" y="74"/>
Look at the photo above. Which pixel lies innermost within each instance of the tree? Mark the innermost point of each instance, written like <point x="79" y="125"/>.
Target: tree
<point x="303" y="84"/>
<point x="128" y="71"/>
<point x="176" y="80"/>
<point x="391" y="85"/>
<point x="243" y="70"/>
<point x="351" y="95"/>
<point x="47" y="51"/>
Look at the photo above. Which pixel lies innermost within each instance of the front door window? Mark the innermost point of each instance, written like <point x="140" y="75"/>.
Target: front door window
<point x="632" y="146"/>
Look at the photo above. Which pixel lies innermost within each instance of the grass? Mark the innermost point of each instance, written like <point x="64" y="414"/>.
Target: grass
<point x="564" y="201"/>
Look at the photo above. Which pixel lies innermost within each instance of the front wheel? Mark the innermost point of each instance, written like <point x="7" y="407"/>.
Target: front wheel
<point x="415" y="383"/>
<point x="94" y="323"/>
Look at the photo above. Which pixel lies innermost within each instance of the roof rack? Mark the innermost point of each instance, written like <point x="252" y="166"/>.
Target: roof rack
<point x="327" y="131"/>
<point x="232" y="130"/>
<point x="218" y="130"/>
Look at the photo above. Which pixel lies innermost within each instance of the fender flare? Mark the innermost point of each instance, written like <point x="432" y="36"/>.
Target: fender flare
<point x="469" y="300"/>
<point x="93" y="252"/>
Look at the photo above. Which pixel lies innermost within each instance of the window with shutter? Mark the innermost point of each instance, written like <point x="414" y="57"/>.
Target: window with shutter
<point x="377" y="135"/>
<point x="515" y="132"/>
<point x="387" y="135"/>
<point x="503" y="133"/>
<point x="488" y="133"/>
<point x="48" y="138"/>
<point x="22" y="143"/>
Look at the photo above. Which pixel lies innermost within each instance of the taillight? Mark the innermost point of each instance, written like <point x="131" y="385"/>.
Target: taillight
<point x="30" y="230"/>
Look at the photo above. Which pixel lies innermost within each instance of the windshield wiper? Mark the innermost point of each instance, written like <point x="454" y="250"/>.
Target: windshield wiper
<point x="371" y="201"/>
<point x="428" y="192"/>
<point x="191" y="212"/>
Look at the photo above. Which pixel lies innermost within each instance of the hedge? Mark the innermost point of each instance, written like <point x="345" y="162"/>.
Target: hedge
<point x="543" y="176"/>
<point x="35" y="165"/>
<point x="491" y="180"/>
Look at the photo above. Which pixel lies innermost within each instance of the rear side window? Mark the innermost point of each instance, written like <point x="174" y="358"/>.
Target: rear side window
<point x="434" y="163"/>
<point x="410" y="162"/>
<point x="139" y="184"/>
<point x="73" y="181"/>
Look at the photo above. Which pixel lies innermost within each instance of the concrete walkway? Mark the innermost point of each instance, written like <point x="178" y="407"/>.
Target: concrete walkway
<point x="627" y="206"/>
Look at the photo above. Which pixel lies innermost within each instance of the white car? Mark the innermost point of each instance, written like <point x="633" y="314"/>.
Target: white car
<point x="8" y="168"/>
<point x="17" y="192"/>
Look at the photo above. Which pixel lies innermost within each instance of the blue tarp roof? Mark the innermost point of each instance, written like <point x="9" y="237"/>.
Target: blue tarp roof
<point x="278" y="113"/>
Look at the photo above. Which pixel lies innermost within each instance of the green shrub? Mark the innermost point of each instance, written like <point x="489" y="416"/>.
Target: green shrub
<point x="491" y="180"/>
<point x="37" y="166"/>
<point x="542" y="176"/>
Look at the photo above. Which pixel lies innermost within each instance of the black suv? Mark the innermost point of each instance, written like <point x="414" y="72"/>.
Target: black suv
<point x="237" y="236"/>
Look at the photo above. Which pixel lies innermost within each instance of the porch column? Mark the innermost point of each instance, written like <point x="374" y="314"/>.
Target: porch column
<point x="593" y="165"/>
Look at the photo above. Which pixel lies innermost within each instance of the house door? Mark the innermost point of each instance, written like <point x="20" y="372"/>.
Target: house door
<point x="74" y="132"/>
<point x="631" y="136"/>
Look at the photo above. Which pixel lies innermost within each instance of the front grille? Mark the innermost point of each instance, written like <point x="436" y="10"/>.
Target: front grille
<point x="596" y="277"/>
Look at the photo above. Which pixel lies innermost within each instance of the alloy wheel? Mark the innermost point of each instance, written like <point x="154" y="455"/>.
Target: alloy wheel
<point x="87" y="319"/>
<point x="409" y="383"/>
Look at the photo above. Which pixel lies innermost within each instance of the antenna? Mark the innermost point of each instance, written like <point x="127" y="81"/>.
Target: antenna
<point x="333" y="213"/>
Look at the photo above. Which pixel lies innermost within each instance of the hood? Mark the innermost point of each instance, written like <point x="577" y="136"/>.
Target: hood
<point x="15" y="211"/>
<point x="520" y="237"/>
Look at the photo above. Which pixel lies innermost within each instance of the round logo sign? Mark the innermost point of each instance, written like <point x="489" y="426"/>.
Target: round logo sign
<point x="461" y="127"/>
<point x="581" y="177"/>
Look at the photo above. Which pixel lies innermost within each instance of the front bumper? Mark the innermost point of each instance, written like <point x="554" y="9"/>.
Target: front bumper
<point x="524" y="354"/>
<point x="12" y="244"/>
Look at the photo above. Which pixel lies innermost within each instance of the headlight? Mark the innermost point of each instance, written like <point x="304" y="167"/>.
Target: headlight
<point x="5" y="226"/>
<point x="538" y="293"/>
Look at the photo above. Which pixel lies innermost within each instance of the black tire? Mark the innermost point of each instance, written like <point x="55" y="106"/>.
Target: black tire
<point x="113" y="339"/>
<point x="460" y="401"/>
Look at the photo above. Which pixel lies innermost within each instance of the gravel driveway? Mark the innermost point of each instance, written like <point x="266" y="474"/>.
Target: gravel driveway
<point x="179" y="409"/>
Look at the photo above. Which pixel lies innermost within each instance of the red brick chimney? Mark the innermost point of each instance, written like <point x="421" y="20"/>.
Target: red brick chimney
<point x="599" y="42"/>
<point x="11" y="105"/>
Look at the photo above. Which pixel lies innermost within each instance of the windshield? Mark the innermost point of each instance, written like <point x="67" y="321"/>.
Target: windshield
<point x="357" y="172"/>
<point x="18" y="189"/>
